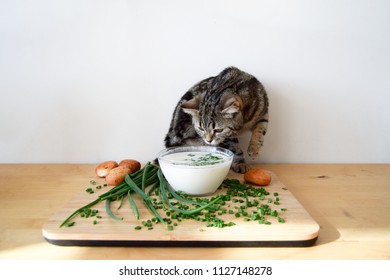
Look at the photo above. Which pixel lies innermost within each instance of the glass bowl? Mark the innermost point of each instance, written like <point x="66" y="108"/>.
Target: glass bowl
<point x="195" y="170"/>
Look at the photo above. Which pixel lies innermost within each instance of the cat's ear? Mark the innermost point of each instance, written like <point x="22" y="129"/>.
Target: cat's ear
<point x="232" y="106"/>
<point x="192" y="106"/>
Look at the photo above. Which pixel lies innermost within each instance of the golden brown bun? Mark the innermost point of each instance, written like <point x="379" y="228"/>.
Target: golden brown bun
<point x="258" y="177"/>
<point x="132" y="164"/>
<point x="103" y="168"/>
<point x="116" y="175"/>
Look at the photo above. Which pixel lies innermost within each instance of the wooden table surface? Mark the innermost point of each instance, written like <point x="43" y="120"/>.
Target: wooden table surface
<point x="351" y="203"/>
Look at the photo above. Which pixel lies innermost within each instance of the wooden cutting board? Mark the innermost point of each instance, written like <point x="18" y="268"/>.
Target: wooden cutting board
<point x="299" y="228"/>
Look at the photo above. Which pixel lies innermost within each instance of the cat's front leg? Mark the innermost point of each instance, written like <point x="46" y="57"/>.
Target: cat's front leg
<point x="238" y="164"/>
<point x="257" y="138"/>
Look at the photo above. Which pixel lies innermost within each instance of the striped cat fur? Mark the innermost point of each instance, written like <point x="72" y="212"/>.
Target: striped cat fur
<point x="216" y="110"/>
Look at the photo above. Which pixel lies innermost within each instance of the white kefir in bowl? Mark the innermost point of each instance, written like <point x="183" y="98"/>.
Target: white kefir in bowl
<point x="195" y="170"/>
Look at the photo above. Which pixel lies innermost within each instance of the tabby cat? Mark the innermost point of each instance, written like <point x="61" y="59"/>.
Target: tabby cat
<point x="217" y="110"/>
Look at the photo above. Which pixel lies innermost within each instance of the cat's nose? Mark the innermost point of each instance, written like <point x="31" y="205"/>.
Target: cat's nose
<point x="208" y="137"/>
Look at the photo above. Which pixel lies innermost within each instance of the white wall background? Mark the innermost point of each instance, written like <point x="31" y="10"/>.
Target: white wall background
<point x="86" y="81"/>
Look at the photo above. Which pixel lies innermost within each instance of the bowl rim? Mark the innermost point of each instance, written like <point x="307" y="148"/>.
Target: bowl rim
<point x="228" y="155"/>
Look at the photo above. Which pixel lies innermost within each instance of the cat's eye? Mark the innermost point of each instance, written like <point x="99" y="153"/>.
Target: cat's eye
<point x="218" y="130"/>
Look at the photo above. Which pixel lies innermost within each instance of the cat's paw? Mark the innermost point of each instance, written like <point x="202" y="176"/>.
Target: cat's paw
<point x="240" y="168"/>
<point x="254" y="151"/>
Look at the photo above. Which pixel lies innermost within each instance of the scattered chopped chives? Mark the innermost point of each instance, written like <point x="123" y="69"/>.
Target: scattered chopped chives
<point x="170" y="208"/>
<point x="89" y="190"/>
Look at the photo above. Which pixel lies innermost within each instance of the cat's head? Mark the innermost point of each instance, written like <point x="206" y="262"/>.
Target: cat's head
<point x="215" y="120"/>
